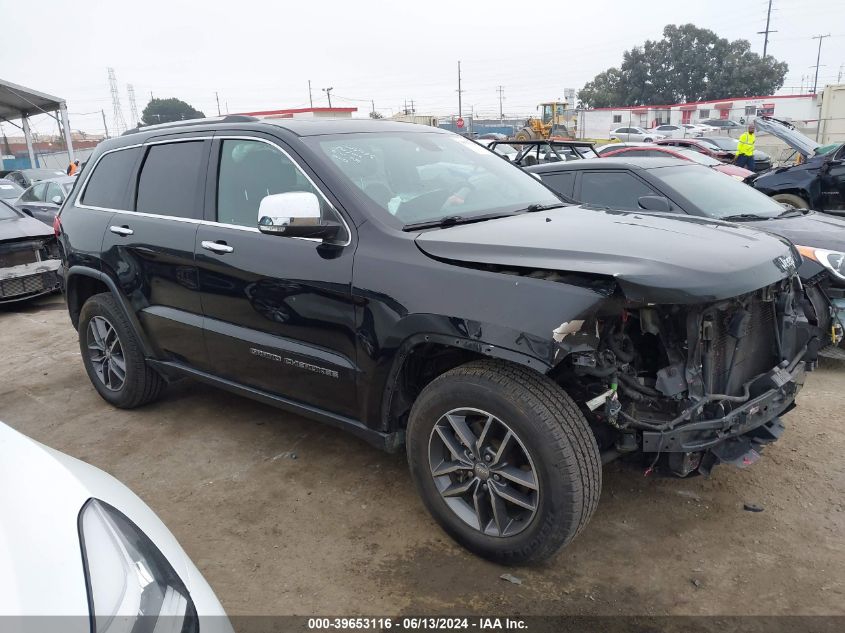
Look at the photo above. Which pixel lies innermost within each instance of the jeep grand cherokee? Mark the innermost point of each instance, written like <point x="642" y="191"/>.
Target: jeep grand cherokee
<point x="408" y="285"/>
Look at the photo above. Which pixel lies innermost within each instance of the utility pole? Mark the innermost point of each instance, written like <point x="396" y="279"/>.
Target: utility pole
<point x="413" y="109"/>
<point x="310" y="100"/>
<point x="217" y="98"/>
<point x="105" y="125"/>
<point x="373" y="104"/>
<point x="839" y="76"/>
<point x="767" y="31"/>
<point x="820" y="38"/>
<point x="459" y="90"/>
<point x="501" y="91"/>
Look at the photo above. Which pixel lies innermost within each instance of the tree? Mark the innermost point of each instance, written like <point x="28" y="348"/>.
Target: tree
<point x="376" y="115"/>
<point x="688" y="64"/>
<point x="167" y="110"/>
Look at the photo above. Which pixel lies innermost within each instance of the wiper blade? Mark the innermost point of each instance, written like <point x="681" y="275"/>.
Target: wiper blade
<point x="791" y="213"/>
<point x="533" y="208"/>
<point x="452" y="220"/>
<point x="742" y="217"/>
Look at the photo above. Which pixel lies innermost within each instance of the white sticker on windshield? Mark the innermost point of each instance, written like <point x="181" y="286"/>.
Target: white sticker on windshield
<point x="6" y="187"/>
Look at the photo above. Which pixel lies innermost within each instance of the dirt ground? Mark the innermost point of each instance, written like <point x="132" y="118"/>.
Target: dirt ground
<point x="287" y="516"/>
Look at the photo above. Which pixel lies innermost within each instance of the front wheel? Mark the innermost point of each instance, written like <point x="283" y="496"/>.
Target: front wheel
<point x="503" y="460"/>
<point x="787" y="198"/>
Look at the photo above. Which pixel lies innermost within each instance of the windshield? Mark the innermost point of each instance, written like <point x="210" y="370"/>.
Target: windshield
<point x="423" y="177"/>
<point x="505" y="150"/>
<point x="7" y="212"/>
<point x="725" y="143"/>
<point x="718" y="195"/>
<point x="698" y="157"/>
<point x="587" y="151"/>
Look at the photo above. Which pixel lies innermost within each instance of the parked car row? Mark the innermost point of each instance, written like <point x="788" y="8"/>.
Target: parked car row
<point x="406" y="284"/>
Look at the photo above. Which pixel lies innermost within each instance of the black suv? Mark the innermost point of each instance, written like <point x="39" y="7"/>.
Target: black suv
<point x="412" y="287"/>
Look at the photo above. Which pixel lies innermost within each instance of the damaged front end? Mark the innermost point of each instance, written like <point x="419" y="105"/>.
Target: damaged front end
<point x="692" y="384"/>
<point x="28" y="268"/>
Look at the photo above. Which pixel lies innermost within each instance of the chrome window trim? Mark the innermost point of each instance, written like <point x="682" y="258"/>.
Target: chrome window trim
<point x="83" y="188"/>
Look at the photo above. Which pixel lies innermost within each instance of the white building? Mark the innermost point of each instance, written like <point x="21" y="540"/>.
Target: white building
<point x="802" y="110"/>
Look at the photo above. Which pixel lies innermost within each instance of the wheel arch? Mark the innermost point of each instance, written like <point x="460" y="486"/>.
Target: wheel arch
<point x="423" y="357"/>
<point x="83" y="282"/>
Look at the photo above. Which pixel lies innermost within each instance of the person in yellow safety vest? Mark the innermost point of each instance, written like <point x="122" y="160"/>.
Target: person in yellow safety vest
<point x="745" y="149"/>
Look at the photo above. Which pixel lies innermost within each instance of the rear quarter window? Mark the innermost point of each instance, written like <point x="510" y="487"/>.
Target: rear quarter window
<point x="109" y="183"/>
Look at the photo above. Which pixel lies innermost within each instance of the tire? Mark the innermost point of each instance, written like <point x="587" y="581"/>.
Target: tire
<point x="103" y="325"/>
<point x="525" y="134"/>
<point x="551" y="442"/>
<point x="788" y="198"/>
<point x="648" y="140"/>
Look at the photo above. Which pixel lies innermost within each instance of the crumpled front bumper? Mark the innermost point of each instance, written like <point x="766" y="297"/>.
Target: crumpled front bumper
<point x="26" y="281"/>
<point x="758" y="417"/>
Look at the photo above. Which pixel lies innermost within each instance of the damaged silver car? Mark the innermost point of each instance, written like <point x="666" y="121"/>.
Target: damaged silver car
<point x="29" y="256"/>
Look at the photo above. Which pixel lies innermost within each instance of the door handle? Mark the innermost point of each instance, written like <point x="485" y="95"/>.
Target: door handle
<point x="217" y="247"/>
<point x="121" y="230"/>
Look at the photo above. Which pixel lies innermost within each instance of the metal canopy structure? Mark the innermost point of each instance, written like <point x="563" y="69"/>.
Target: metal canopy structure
<point x="17" y="102"/>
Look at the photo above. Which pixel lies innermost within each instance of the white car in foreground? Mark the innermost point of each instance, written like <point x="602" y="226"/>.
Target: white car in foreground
<point x="77" y="543"/>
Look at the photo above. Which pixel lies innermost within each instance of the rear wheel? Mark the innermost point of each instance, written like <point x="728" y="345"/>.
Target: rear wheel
<point x="503" y="460"/>
<point x="112" y="355"/>
<point x="791" y="199"/>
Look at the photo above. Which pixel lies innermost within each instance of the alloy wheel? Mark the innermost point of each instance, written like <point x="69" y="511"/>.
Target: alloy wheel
<point x="106" y="353"/>
<point x="483" y="472"/>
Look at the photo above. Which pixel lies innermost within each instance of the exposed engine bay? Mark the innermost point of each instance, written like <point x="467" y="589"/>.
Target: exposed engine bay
<point x="695" y="384"/>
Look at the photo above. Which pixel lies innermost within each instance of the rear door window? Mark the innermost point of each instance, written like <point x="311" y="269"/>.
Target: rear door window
<point x="108" y="185"/>
<point x="169" y="182"/>
<point x="614" y="189"/>
<point x="562" y="182"/>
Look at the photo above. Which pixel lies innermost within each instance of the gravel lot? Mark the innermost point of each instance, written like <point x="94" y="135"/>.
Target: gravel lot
<point x="284" y="515"/>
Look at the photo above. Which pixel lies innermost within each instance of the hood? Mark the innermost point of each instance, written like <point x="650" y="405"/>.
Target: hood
<point x="787" y="133"/>
<point x="22" y="228"/>
<point x="654" y="258"/>
<point x="818" y="230"/>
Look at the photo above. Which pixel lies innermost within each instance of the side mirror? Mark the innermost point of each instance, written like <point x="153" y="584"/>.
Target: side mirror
<point x="294" y="214"/>
<point x="56" y="200"/>
<point x="654" y="203"/>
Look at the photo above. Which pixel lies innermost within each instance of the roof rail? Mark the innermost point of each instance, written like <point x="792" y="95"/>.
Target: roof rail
<point x="229" y="118"/>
